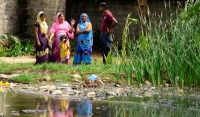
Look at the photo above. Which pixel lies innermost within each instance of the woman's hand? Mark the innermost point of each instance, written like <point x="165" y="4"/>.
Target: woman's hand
<point x="38" y="44"/>
<point x="73" y="22"/>
<point x="49" y="42"/>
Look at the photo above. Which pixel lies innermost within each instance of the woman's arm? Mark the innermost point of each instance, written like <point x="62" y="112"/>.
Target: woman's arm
<point x="36" y="37"/>
<point x="87" y="30"/>
<point x="51" y="37"/>
<point x="72" y="26"/>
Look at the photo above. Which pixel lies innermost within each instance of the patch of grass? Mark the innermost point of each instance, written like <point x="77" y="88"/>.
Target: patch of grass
<point x="62" y="77"/>
<point x="26" y="77"/>
<point x="56" y="71"/>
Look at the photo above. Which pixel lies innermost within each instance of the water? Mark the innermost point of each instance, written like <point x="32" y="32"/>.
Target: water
<point x="24" y="105"/>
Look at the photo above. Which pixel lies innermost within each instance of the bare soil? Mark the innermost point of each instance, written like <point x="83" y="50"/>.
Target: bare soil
<point x="96" y="54"/>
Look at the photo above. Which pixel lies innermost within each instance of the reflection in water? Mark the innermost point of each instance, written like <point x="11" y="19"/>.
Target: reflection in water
<point x="84" y="108"/>
<point x="61" y="108"/>
<point x="43" y="107"/>
<point x="24" y="105"/>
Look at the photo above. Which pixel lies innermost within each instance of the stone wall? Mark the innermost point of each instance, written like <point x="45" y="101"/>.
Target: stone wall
<point x="8" y="16"/>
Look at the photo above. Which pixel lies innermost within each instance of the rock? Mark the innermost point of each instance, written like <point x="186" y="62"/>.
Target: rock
<point x="57" y="92"/>
<point x="119" y="91"/>
<point x="58" y="80"/>
<point x="77" y="92"/>
<point x="76" y="76"/>
<point x="152" y="88"/>
<point x="147" y="94"/>
<point x="147" y="83"/>
<point x="44" y="87"/>
<point x="167" y="85"/>
<point x="110" y="93"/>
<point x="47" y="78"/>
<point x="91" y="94"/>
<point x="52" y="87"/>
<point x="70" y="91"/>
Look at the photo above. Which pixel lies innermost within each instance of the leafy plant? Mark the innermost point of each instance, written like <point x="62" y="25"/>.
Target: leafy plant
<point x="3" y="51"/>
<point x="126" y="32"/>
<point x="15" y="47"/>
<point x="109" y="57"/>
<point x="28" y="48"/>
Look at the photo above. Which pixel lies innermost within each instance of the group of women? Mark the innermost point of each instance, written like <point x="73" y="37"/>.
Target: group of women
<point x="53" y="49"/>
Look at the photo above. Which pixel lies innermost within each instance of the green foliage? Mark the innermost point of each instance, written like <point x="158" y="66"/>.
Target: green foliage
<point x="191" y="11"/>
<point x="15" y="47"/>
<point x="143" y="42"/>
<point x="109" y="57"/>
<point x="3" y="51"/>
<point x="26" y="78"/>
<point x="28" y="48"/>
<point x="126" y="32"/>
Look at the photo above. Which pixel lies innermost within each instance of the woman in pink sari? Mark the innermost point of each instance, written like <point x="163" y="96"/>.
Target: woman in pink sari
<point x="59" y="28"/>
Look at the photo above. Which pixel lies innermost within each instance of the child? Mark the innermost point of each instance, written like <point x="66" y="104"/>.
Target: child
<point x="64" y="50"/>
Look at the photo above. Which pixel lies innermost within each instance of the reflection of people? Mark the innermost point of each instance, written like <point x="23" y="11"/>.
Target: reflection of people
<point x="105" y="111"/>
<point x="43" y="105"/>
<point x="84" y="108"/>
<point x="41" y="30"/>
<point x="85" y="40"/>
<point x="64" y="50"/>
<point x="60" y="27"/>
<point x="107" y="25"/>
<point x="61" y="108"/>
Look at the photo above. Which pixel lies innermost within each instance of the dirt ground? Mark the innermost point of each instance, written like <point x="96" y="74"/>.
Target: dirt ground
<point x="96" y="54"/>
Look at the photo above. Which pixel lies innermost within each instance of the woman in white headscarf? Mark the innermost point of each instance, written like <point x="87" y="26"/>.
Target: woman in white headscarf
<point x="42" y="47"/>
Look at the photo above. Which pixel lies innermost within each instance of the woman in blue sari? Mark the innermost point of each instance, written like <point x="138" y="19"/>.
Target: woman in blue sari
<point x="85" y="41"/>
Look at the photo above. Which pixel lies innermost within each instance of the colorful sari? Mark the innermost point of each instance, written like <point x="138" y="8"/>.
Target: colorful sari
<point x="42" y="52"/>
<point x="84" y="44"/>
<point x="58" y="30"/>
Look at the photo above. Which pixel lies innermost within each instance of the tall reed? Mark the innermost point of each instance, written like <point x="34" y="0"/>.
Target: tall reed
<point x="168" y="52"/>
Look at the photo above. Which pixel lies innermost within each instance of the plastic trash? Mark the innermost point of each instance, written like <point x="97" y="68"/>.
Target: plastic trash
<point x="64" y="85"/>
<point x="93" y="77"/>
<point x="2" y="83"/>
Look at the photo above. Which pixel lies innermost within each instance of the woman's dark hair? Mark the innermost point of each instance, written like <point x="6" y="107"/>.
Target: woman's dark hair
<point x="42" y="14"/>
<point x="60" y="15"/>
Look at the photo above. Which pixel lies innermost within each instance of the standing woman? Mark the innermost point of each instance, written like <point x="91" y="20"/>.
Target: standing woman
<point x="42" y="47"/>
<point x="85" y="41"/>
<point x="59" y="28"/>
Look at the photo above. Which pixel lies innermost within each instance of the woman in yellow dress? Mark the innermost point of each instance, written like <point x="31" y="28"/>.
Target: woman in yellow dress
<point x="64" y="49"/>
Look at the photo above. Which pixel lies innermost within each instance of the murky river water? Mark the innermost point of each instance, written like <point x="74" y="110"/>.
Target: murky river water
<point x="24" y="105"/>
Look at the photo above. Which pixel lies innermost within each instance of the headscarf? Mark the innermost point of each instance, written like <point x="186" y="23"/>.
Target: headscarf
<point x="82" y="23"/>
<point x="56" y="27"/>
<point x="43" y="24"/>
